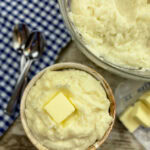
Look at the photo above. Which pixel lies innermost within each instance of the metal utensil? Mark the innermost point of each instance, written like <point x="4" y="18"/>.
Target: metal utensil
<point x="33" y="50"/>
<point x="20" y="36"/>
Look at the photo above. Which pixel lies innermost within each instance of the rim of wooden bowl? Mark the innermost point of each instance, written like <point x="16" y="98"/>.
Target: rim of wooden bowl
<point x="62" y="66"/>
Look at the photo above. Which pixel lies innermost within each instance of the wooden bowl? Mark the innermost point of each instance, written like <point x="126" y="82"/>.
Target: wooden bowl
<point x="62" y="66"/>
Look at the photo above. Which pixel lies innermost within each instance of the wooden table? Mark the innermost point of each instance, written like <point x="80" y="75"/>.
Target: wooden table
<point x="120" y="138"/>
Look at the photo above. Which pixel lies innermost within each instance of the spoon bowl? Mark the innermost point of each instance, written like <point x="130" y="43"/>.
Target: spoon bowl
<point x="20" y="36"/>
<point x="34" y="46"/>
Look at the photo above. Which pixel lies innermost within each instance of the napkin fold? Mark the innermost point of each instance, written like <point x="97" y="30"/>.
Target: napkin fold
<point x="42" y="15"/>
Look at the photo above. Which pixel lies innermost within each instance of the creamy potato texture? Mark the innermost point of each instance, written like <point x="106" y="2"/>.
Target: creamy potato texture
<point x="117" y="30"/>
<point x="90" y="120"/>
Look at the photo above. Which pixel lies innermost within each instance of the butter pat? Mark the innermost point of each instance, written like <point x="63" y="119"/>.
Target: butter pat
<point x="59" y="108"/>
<point x="128" y="120"/>
<point x="142" y="114"/>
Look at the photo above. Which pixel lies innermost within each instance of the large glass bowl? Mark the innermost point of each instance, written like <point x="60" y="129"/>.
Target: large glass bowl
<point x="127" y="72"/>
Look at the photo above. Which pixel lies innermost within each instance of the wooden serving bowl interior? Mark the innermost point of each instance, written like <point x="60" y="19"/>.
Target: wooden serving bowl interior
<point x="62" y="66"/>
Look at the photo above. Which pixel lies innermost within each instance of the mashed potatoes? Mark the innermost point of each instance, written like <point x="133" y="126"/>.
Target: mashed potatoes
<point x="117" y="30"/>
<point x="90" y="120"/>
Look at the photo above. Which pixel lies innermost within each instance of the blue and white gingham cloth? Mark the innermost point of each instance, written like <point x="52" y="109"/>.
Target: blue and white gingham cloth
<point x="42" y="15"/>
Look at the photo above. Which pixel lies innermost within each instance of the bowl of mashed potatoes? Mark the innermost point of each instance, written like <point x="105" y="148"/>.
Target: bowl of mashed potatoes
<point x="68" y="106"/>
<point x="115" y="34"/>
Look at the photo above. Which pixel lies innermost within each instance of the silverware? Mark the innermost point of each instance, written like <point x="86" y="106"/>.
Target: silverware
<point x="20" y="36"/>
<point x="34" y="48"/>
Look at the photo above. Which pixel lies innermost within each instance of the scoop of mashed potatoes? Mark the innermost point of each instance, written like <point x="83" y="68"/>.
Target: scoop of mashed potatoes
<point x="117" y="30"/>
<point x="90" y="120"/>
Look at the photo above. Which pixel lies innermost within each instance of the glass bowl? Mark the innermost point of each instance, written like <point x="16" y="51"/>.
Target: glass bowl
<point x="127" y="72"/>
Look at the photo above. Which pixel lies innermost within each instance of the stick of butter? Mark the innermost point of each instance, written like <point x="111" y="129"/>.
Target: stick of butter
<point x="59" y="108"/>
<point x="142" y="114"/>
<point x="128" y="120"/>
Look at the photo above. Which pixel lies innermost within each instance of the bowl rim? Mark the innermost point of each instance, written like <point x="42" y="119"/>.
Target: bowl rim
<point x="127" y="72"/>
<point x="63" y="66"/>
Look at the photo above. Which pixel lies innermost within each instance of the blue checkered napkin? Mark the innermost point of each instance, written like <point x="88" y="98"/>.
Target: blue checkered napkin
<point x="43" y="15"/>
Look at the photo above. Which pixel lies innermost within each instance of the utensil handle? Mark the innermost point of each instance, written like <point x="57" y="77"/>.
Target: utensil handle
<point x="16" y="93"/>
<point x="22" y="63"/>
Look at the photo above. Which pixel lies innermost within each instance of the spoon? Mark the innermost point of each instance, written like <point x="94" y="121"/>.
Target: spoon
<point x="34" y="48"/>
<point x="20" y="36"/>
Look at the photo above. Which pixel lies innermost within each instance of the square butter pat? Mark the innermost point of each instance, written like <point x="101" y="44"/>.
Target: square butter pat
<point x="59" y="108"/>
<point x="128" y="120"/>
